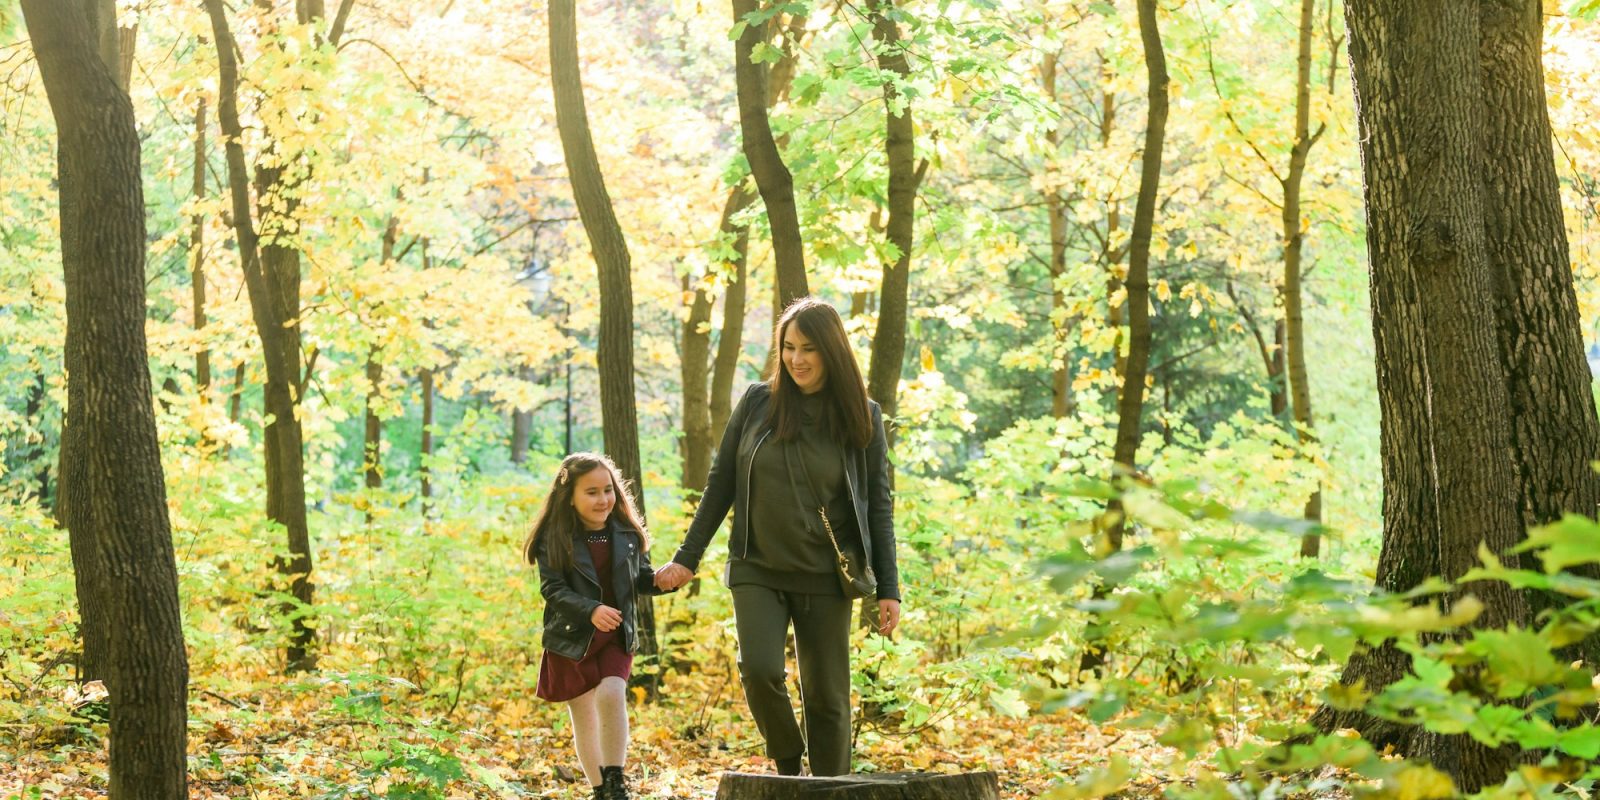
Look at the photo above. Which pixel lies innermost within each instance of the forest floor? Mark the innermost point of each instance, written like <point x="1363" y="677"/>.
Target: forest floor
<point x="318" y="739"/>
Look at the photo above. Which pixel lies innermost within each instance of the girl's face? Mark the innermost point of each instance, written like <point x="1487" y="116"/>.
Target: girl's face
<point x="802" y="360"/>
<point x="593" y="497"/>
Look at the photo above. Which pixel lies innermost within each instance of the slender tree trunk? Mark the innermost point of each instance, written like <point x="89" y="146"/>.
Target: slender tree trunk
<point x="272" y="280"/>
<point x="1452" y="482"/>
<point x="1111" y="253"/>
<point x="730" y="342"/>
<point x="236" y="396"/>
<point x="694" y="365"/>
<point x="119" y="504"/>
<point x="1061" y="404"/>
<point x="425" y="380"/>
<point x="372" y="449"/>
<point x="521" y="423"/>
<point x="773" y="180"/>
<point x="889" y="341"/>
<point x="1293" y="244"/>
<point x="619" y="416"/>
<point x="197" y="261"/>
<point x="1130" y="402"/>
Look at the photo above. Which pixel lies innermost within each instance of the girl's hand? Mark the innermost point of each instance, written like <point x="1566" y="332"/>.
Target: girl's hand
<point x="888" y="616"/>
<point x="606" y="618"/>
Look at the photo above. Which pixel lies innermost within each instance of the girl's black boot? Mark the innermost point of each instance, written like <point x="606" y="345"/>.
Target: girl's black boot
<point x="613" y="784"/>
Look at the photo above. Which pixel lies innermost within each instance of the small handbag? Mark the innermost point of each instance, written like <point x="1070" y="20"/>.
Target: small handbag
<point x="856" y="582"/>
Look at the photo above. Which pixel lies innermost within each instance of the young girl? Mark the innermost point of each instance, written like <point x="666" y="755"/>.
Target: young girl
<point x="592" y="553"/>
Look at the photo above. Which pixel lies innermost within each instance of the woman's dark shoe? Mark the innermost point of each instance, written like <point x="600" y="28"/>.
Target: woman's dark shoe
<point x="612" y="784"/>
<point x="600" y="792"/>
<point x="788" y="766"/>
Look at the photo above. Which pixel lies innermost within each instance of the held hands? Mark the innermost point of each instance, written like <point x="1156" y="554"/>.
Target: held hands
<point x="888" y="617"/>
<point x="605" y="618"/>
<point x="672" y="575"/>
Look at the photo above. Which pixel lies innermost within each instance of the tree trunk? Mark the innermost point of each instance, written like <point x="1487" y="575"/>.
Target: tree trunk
<point x="619" y="416"/>
<point x="119" y="501"/>
<point x="1452" y="481"/>
<point x="773" y="180"/>
<point x="521" y="424"/>
<point x="886" y="786"/>
<point x="1130" y="401"/>
<point x="1554" y="429"/>
<point x="1061" y="404"/>
<point x="889" y="341"/>
<point x="197" y="262"/>
<point x="1293" y="243"/>
<point x="730" y="342"/>
<point x="425" y="381"/>
<point x="236" y="397"/>
<point x="694" y="365"/>
<point x="272" y="280"/>
<point x="372" y="459"/>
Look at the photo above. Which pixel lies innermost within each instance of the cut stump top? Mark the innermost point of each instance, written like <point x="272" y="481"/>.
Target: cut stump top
<point x="886" y="786"/>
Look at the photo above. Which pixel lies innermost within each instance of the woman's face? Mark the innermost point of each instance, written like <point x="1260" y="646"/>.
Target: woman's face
<point x="593" y="497"/>
<point x="802" y="360"/>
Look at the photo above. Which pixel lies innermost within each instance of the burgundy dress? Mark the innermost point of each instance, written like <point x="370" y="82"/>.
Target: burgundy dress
<point x="562" y="679"/>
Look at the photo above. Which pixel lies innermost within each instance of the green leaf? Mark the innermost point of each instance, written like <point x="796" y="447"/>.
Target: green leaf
<point x="1572" y="541"/>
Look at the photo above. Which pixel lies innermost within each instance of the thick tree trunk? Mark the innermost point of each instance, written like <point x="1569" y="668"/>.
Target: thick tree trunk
<point x="1554" y="429"/>
<point x="197" y="261"/>
<point x="889" y="341"/>
<point x="773" y="180"/>
<point x="119" y="499"/>
<point x="1130" y="401"/>
<point x="272" y="280"/>
<point x="1451" y="480"/>
<point x="1293" y="244"/>
<point x="619" y="416"/>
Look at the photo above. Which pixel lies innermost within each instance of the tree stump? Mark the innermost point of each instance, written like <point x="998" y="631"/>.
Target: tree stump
<point x="889" y="786"/>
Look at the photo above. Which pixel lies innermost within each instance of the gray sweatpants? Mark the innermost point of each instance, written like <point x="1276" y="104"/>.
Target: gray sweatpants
<point x="822" y="644"/>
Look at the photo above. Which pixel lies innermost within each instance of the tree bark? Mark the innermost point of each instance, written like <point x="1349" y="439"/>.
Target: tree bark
<point x="730" y="341"/>
<point x="693" y="366"/>
<point x="1452" y="481"/>
<point x="889" y="340"/>
<point x="1555" y="433"/>
<point x="272" y="280"/>
<point x="372" y="447"/>
<point x="425" y="381"/>
<point x="773" y="180"/>
<point x="119" y="501"/>
<point x="619" y="416"/>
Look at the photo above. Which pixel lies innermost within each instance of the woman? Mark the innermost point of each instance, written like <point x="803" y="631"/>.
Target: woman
<point x="803" y="465"/>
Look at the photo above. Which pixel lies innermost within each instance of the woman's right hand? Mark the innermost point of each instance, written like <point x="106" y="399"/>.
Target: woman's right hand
<point x="672" y="575"/>
<point x="606" y="618"/>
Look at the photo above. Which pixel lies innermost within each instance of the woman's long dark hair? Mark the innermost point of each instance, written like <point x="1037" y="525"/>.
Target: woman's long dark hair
<point x="553" y="530"/>
<point x="846" y="415"/>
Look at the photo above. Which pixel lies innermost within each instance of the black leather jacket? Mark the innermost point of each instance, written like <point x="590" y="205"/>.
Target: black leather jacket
<point x="571" y="595"/>
<point x="728" y="486"/>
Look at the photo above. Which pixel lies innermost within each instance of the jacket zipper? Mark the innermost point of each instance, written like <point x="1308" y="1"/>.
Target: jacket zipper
<point x="749" y="468"/>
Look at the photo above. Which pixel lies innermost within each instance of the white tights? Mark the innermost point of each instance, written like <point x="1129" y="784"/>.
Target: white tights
<point x="600" y="727"/>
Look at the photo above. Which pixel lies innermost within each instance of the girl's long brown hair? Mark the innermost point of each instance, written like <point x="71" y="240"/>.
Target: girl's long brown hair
<point x="847" y="418"/>
<point x="553" y="530"/>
